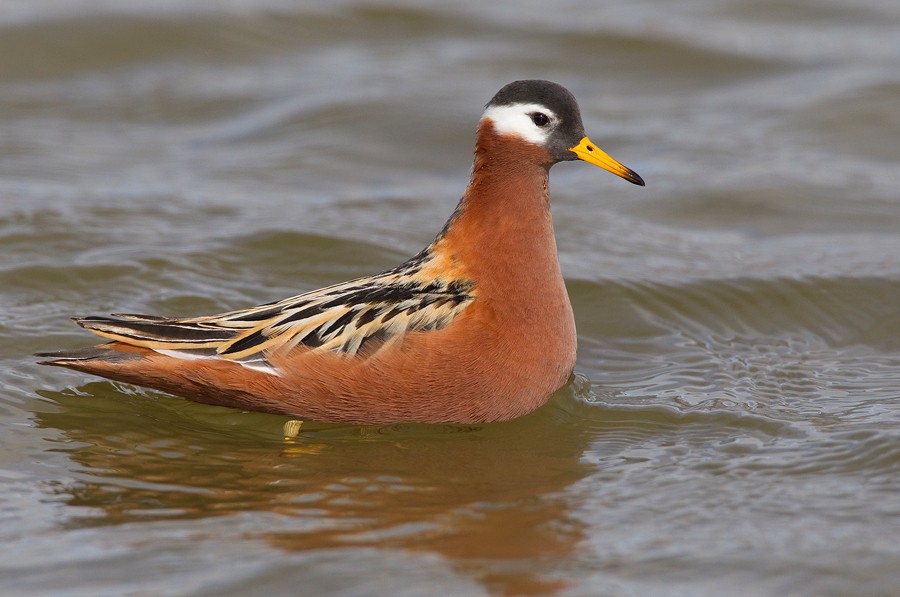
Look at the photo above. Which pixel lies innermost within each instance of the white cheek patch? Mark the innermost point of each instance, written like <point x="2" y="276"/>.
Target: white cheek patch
<point x="514" y="119"/>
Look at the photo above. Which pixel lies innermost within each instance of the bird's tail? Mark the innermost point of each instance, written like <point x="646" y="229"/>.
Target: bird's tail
<point x="83" y="359"/>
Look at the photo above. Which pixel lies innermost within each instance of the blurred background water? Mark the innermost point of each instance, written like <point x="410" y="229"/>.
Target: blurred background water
<point x="733" y="426"/>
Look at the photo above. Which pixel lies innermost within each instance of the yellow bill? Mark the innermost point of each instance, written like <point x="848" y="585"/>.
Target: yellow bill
<point x="590" y="153"/>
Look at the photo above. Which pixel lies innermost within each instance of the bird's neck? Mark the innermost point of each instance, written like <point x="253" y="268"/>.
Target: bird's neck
<point x="509" y="189"/>
<point x="502" y="230"/>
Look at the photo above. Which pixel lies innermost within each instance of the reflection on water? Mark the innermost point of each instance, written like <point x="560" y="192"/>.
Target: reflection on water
<point x="733" y="425"/>
<point x="474" y="495"/>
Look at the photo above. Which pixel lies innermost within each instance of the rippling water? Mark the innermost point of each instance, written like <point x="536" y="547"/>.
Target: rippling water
<point x="734" y="424"/>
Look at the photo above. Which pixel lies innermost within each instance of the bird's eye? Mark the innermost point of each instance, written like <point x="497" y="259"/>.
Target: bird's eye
<point x="540" y="119"/>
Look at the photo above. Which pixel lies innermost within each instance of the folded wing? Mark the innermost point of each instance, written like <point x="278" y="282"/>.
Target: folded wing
<point x="340" y="318"/>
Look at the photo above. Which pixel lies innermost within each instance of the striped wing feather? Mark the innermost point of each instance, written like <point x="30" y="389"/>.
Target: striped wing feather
<point x="340" y="318"/>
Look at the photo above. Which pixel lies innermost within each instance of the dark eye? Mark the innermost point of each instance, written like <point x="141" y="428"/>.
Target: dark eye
<point x="540" y="119"/>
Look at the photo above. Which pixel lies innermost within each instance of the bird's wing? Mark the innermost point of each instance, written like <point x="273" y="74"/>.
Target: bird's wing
<point x="339" y="318"/>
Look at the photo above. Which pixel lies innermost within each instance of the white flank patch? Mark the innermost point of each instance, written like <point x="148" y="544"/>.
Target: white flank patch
<point x="515" y="119"/>
<point x="177" y="354"/>
<point x="258" y="366"/>
<point x="255" y="365"/>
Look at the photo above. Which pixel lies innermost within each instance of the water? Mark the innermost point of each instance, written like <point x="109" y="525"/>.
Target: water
<point x="733" y="425"/>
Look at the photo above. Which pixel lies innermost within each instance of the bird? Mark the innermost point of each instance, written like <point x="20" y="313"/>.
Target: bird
<point x="475" y="328"/>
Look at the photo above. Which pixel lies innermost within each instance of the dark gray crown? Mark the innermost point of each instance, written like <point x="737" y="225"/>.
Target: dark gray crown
<point x="554" y="97"/>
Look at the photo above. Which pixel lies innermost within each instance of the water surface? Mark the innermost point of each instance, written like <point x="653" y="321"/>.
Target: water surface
<point x="733" y="424"/>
